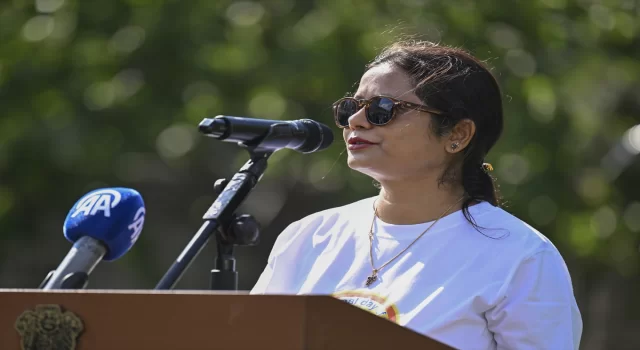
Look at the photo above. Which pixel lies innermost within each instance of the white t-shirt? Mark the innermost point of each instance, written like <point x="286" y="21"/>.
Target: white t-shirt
<point x="504" y="288"/>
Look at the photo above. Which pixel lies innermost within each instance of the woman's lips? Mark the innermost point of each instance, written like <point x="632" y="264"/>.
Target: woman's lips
<point x="357" y="143"/>
<point x="359" y="146"/>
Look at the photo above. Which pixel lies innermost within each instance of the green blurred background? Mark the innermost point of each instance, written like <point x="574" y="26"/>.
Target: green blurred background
<point x="110" y="93"/>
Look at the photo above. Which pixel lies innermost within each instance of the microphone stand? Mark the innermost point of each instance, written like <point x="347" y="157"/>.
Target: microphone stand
<point x="229" y="228"/>
<point x="244" y="230"/>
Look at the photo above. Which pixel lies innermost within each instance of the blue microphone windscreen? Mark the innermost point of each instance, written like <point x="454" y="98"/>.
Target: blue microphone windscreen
<point x="114" y="216"/>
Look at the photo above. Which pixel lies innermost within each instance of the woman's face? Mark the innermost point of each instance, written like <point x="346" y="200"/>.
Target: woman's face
<point x="406" y="148"/>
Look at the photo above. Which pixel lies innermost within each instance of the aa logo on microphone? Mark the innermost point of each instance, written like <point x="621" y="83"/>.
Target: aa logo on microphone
<point x="101" y="200"/>
<point x="136" y="226"/>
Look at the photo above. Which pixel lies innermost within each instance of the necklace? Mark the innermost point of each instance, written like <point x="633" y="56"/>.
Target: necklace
<point x="374" y="273"/>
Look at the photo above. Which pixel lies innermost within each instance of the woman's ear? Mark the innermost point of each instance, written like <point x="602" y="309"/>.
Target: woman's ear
<point x="461" y="136"/>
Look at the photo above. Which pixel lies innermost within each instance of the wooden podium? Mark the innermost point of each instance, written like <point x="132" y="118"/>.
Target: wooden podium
<point x="185" y="320"/>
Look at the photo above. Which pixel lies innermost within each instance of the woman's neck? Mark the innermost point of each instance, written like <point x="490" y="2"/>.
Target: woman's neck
<point x="414" y="202"/>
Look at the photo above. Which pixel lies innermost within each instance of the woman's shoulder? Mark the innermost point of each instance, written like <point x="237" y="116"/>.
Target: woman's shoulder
<point x="505" y="229"/>
<point x="321" y="224"/>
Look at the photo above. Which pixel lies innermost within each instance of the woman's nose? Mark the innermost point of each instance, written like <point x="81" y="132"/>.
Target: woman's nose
<point x="359" y="120"/>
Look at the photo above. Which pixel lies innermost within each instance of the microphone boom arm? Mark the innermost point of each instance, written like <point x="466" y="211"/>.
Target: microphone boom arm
<point x="219" y="215"/>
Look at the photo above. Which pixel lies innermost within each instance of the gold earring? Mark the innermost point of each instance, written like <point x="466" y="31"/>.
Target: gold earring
<point x="487" y="167"/>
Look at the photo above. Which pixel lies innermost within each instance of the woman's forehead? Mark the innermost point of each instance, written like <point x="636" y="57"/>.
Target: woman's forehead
<point x="386" y="80"/>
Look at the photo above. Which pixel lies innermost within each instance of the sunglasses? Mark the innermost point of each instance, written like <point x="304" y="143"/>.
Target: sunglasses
<point x="379" y="110"/>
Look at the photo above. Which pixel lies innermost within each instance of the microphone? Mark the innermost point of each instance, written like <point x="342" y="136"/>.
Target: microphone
<point x="304" y="135"/>
<point x="102" y="225"/>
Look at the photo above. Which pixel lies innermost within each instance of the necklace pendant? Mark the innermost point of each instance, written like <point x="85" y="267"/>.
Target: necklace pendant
<point x="372" y="278"/>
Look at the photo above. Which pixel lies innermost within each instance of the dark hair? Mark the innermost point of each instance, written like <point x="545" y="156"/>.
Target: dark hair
<point x="455" y="82"/>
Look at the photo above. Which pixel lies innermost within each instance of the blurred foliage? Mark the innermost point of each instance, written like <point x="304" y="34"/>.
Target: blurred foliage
<point x="109" y="93"/>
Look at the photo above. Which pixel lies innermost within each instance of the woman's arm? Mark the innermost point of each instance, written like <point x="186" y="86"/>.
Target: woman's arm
<point x="276" y="278"/>
<point x="538" y="310"/>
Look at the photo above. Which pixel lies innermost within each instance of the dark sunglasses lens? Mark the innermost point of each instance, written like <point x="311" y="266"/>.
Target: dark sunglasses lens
<point x="380" y="111"/>
<point x="344" y="110"/>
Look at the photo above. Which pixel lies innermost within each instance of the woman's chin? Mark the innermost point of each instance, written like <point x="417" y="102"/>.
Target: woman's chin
<point x="358" y="161"/>
<point x="363" y="165"/>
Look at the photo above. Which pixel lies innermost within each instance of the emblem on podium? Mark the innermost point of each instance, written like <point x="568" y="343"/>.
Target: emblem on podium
<point x="48" y="327"/>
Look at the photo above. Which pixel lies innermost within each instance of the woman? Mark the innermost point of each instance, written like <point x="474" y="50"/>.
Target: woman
<point x="433" y="251"/>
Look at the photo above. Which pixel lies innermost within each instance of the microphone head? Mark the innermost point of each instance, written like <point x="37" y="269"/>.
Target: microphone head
<point x="113" y="216"/>
<point x="319" y="137"/>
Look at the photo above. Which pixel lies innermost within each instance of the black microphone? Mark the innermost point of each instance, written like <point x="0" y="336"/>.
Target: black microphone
<point x="304" y="135"/>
